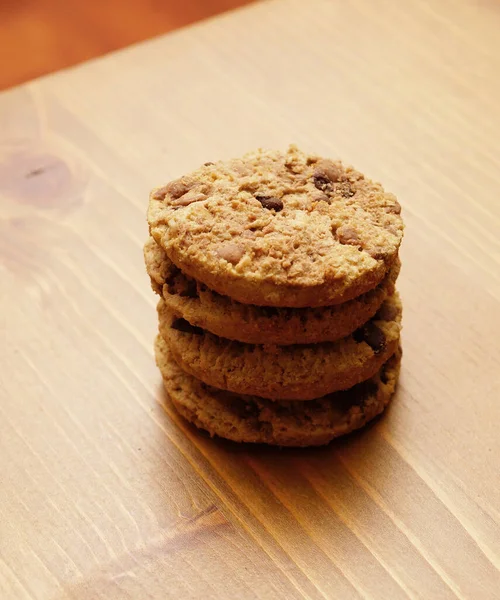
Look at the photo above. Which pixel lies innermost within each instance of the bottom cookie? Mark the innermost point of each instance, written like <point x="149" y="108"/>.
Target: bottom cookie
<point x="284" y="423"/>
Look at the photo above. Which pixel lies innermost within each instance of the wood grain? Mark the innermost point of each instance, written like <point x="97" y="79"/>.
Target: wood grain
<point x="105" y="492"/>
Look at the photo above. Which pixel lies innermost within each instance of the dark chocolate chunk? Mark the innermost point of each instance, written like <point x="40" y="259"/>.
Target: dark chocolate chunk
<point x="328" y="170"/>
<point x="322" y="183"/>
<point x="348" y="236"/>
<point x="178" y="283"/>
<point x="231" y="252"/>
<point x="372" y="335"/>
<point x="325" y="175"/>
<point x="270" y="202"/>
<point x="178" y="188"/>
<point x="160" y="193"/>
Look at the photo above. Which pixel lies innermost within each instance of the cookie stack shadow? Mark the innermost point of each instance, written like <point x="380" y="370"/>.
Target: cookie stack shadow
<point x="288" y="376"/>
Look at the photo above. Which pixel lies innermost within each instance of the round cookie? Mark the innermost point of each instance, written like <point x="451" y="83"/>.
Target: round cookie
<point x="301" y="372"/>
<point x="251" y="324"/>
<point x="279" y="229"/>
<point x="253" y="419"/>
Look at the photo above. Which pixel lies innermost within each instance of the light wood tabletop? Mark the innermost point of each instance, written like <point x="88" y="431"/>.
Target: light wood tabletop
<point x="104" y="492"/>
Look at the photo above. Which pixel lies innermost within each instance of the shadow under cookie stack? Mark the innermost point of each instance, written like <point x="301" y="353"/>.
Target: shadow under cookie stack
<point x="279" y="322"/>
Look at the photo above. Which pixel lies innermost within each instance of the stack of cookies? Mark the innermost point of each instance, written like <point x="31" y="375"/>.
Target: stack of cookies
<point x="278" y="319"/>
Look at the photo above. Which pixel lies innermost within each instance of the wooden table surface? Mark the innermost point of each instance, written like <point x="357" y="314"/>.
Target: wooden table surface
<point x="104" y="492"/>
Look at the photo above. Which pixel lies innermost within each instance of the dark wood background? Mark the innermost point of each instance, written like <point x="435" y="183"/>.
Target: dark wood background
<point x="41" y="36"/>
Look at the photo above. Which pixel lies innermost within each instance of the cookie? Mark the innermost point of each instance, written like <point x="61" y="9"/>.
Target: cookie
<point x="251" y="324"/>
<point x="279" y="229"/>
<point x="253" y="419"/>
<point x="301" y="372"/>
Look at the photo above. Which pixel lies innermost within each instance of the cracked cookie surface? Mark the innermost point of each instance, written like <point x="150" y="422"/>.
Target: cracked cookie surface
<point x="279" y="229"/>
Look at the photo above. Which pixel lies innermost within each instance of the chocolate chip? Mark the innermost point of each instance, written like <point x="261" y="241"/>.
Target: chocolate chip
<point x="327" y="170"/>
<point x="348" y="236"/>
<point x="322" y="183"/>
<point x="377" y="252"/>
<point x="178" y="188"/>
<point x="270" y="202"/>
<point x="189" y="197"/>
<point x="178" y="284"/>
<point x="320" y="197"/>
<point x="186" y="327"/>
<point x="233" y="253"/>
<point x="208" y="164"/>
<point x="160" y="193"/>
<point x="372" y="335"/>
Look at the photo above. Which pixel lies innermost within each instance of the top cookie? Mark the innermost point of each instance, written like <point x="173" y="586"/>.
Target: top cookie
<point x="279" y="229"/>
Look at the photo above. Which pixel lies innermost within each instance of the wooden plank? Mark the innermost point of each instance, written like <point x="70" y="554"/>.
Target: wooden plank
<point x="105" y="492"/>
